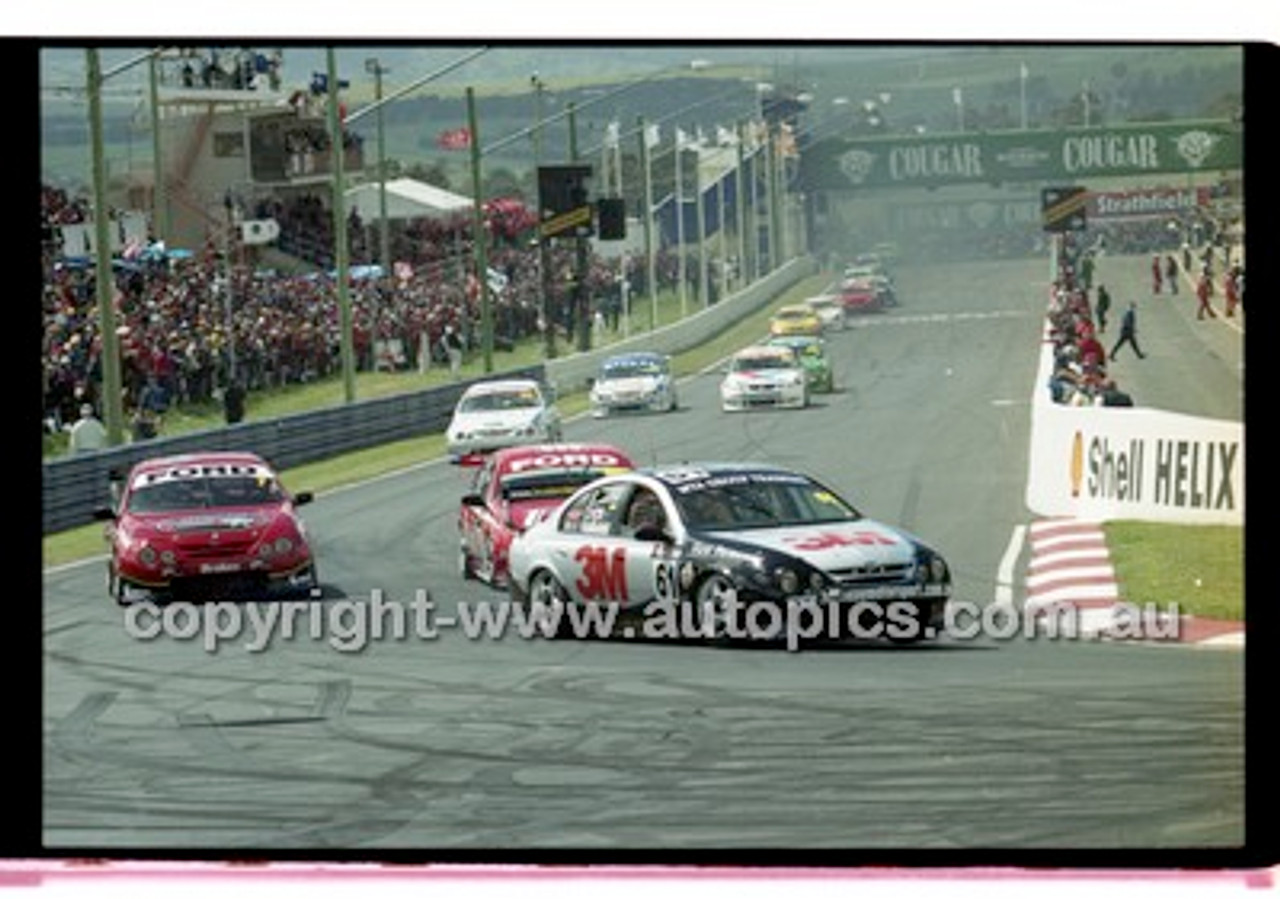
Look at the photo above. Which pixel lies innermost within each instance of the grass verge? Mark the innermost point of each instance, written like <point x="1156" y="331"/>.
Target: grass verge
<point x="1198" y="567"/>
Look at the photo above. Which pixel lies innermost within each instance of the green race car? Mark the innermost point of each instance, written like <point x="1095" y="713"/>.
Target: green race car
<point x="811" y="352"/>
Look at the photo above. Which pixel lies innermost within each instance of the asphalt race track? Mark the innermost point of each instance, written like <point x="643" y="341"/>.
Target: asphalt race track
<point x="487" y="744"/>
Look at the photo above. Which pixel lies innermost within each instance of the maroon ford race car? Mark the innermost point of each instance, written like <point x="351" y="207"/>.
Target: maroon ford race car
<point x="515" y="487"/>
<point x="206" y="526"/>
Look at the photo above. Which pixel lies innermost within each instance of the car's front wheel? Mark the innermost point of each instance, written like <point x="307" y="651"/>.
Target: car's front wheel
<point x="715" y="600"/>
<point x="466" y="567"/>
<point x="115" y="588"/>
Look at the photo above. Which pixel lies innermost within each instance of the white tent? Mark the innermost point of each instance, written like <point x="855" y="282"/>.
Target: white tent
<point x="406" y="199"/>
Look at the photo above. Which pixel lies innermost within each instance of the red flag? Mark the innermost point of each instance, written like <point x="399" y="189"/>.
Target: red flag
<point x="454" y="139"/>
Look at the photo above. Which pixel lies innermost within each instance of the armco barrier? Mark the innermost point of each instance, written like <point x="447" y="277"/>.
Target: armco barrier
<point x="73" y="486"/>
<point x="573" y="372"/>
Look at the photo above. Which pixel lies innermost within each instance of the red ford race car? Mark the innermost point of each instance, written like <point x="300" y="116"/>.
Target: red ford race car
<point x="206" y="526"/>
<point x="513" y="488"/>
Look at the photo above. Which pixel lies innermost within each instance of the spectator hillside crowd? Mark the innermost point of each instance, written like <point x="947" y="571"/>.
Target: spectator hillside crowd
<point x="183" y="321"/>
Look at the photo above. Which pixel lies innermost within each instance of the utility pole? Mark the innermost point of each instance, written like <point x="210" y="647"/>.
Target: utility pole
<point x="681" y="264"/>
<point x="479" y="236"/>
<point x="581" y="299"/>
<point x="544" y="243"/>
<point x="374" y="67"/>
<point x="741" y="207"/>
<point x="104" y="277"/>
<point x="159" y="196"/>
<point x="340" y="249"/>
<point x="651" y="275"/>
<point x="700" y="210"/>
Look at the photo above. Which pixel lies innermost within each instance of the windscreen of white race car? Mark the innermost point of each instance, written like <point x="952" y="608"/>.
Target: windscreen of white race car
<point x="758" y="500"/>
<point x="500" y="400"/>
<point x="762" y="362"/>
<point x="631" y="368"/>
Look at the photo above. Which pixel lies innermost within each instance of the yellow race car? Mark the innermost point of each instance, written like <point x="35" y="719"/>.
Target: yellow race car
<point x="793" y="320"/>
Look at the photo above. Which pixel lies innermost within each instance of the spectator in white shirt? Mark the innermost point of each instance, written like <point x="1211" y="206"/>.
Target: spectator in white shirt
<point x="87" y="433"/>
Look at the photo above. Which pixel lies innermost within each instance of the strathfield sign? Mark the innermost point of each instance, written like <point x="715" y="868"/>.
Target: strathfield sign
<point x="1014" y="156"/>
<point x="1159" y="202"/>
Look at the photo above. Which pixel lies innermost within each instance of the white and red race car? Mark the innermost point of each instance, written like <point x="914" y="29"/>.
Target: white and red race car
<point x="721" y="538"/>
<point x="764" y="376"/>
<point x="515" y="487"/>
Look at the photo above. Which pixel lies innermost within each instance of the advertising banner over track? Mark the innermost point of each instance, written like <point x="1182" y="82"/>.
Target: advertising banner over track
<point x="1062" y="155"/>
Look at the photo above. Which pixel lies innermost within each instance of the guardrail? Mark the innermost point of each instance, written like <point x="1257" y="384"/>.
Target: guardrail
<point x="73" y="486"/>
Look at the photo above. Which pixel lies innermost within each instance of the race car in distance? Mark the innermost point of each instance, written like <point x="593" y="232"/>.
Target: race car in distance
<point x="724" y="536"/>
<point x="514" y="487"/>
<point x="761" y="375"/>
<point x="797" y="318"/>
<point x="811" y="354"/>
<point x="830" y="311"/>
<point x="859" y="295"/>
<point x="634" y="382"/>
<point x="872" y="276"/>
<point x="208" y="526"/>
<point x="507" y="412"/>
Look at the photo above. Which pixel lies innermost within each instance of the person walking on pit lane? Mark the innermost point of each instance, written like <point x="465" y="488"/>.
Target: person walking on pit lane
<point x="1171" y="273"/>
<point x="1129" y="332"/>
<point x="1231" y="291"/>
<point x="1101" y="307"/>
<point x="1204" y="290"/>
<point x="1157" y="270"/>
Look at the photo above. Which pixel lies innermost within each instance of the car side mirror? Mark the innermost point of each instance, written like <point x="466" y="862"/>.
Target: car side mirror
<point x="104" y="513"/>
<point x="301" y="499"/>
<point x="472" y="499"/>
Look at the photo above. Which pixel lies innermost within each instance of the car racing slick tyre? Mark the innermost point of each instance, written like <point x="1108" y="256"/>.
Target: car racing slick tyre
<point x="919" y="630"/>
<point x="466" y="568"/>
<point x="710" y="599"/>
<point x="546" y="597"/>
<point x="309" y="586"/>
<point x="115" y="588"/>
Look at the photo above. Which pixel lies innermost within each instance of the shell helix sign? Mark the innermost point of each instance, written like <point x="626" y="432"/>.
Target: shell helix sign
<point x="1105" y="463"/>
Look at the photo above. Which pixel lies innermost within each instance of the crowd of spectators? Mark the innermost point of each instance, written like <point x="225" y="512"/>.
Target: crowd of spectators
<point x="188" y="327"/>
<point x="1077" y="317"/>
<point x="227" y="69"/>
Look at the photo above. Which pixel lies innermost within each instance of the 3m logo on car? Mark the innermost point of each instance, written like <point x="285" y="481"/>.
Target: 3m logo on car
<point x="604" y="576"/>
